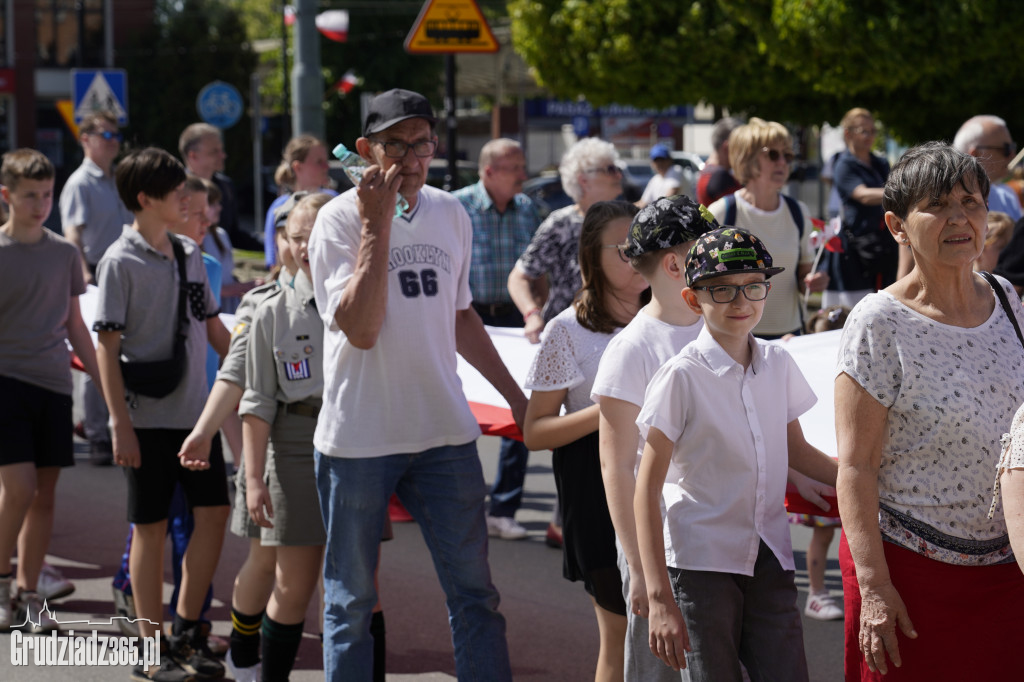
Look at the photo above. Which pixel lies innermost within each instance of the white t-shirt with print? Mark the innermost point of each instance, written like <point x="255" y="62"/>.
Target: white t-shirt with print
<point x="404" y="394"/>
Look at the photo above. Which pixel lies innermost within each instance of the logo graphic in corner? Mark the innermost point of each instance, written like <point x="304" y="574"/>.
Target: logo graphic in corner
<point x="297" y="370"/>
<point x="64" y="648"/>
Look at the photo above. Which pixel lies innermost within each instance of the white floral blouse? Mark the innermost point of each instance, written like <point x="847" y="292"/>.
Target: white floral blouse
<point x="568" y="358"/>
<point x="951" y="392"/>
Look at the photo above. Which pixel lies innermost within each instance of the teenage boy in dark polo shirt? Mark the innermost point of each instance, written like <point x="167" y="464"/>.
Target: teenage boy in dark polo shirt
<point x="137" y="318"/>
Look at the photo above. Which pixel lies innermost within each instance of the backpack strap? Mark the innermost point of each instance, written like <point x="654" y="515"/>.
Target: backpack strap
<point x="794" y="210"/>
<point x="179" y="258"/>
<point x="730" y="210"/>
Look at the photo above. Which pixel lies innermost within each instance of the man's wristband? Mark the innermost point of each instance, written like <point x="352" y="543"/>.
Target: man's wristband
<point x="535" y="311"/>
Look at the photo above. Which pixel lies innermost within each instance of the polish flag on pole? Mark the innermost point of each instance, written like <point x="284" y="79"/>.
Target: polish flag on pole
<point x="333" y="24"/>
<point x="348" y="82"/>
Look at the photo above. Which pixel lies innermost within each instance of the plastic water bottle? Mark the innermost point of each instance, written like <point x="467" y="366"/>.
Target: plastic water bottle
<point x="354" y="167"/>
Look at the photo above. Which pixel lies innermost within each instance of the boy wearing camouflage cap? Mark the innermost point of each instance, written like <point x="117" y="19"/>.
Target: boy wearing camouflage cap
<point x="659" y="238"/>
<point x="722" y="429"/>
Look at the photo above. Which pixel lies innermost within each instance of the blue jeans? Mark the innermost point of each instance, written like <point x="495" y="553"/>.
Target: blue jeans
<point x="443" y="488"/>
<point x="507" y="491"/>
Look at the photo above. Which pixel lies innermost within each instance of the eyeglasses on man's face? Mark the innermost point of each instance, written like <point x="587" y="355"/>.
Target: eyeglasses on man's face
<point x="620" y="249"/>
<point x="610" y="169"/>
<point x="727" y="293"/>
<point x="1007" y="148"/>
<point x="396" y="149"/>
<point x="774" y="155"/>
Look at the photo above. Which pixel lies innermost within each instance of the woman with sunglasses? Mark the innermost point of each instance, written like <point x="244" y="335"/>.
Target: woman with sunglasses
<point x="868" y="261"/>
<point x="760" y="153"/>
<point x="547" y="275"/>
<point x="563" y="374"/>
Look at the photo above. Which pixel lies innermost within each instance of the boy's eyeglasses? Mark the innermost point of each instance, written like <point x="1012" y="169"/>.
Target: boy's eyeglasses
<point x="106" y="135"/>
<point x="727" y="293"/>
<point x="394" y="149"/>
<point x="774" y="155"/>
<point x="1007" y="148"/>
<point x="621" y="250"/>
<point x="610" y="169"/>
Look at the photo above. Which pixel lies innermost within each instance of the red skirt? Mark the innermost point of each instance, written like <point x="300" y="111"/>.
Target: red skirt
<point x="969" y="619"/>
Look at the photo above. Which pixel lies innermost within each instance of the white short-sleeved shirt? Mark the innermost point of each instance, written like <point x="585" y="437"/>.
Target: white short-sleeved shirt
<point x="789" y="250"/>
<point x="951" y="393"/>
<point x="725" y="488"/>
<point x="632" y="358"/>
<point x="404" y="394"/>
<point x="568" y="358"/>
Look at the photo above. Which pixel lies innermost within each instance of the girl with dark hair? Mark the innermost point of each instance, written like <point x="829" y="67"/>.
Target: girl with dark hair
<point x="562" y="375"/>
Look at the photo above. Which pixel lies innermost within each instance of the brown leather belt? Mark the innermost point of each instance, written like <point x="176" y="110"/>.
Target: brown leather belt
<point x="302" y="410"/>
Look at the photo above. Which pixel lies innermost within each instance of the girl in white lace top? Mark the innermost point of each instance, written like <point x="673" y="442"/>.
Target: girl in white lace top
<point x="562" y="375"/>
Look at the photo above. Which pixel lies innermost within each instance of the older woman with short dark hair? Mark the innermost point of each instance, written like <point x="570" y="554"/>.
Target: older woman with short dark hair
<point x="931" y="371"/>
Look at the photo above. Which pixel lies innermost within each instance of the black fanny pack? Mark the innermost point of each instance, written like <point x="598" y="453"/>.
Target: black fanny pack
<point x="159" y="378"/>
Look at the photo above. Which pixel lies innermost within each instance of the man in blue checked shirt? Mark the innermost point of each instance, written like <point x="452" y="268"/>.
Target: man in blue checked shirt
<point x="504" y="221"/>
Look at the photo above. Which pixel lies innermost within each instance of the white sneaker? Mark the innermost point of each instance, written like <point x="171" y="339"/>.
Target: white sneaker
<point x="250" y="674"/>
<point x="52" y="584"/>
<point x="6" y="615"/>
<point x="505" y="527"/>
<point x="822" y="607"/>
<point x="34" y="613"/>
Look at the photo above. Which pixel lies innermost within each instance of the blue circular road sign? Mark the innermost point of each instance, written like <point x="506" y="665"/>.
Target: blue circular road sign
<point x="220" y="104"/>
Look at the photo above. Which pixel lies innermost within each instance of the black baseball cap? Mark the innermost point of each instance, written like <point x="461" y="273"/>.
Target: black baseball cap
<point x="394" y="106"/>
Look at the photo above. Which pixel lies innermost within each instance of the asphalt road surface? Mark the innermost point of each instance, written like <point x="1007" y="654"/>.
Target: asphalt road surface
<point x="552" y="632"/>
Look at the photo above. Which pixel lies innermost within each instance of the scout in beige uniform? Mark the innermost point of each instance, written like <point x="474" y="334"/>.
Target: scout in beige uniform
<point x="255" y="580"/>
<point x="283" y="387"/>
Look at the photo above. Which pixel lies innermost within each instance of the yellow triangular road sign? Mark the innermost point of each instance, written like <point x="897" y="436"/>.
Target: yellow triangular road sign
<point x="449" y="26"/>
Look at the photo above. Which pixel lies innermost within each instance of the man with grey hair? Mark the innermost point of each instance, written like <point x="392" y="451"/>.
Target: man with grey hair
<point x="988" y="138"/>
<point x="716" y="179"/>
<point x="504" y="220"/>
<point x="201" y="146"/>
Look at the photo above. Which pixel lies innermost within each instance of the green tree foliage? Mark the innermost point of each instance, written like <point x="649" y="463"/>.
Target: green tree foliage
<point x="923" y="66"/>
<point x="191" y="43"/>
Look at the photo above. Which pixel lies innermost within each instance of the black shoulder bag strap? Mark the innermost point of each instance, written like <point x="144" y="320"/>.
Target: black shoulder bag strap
<point x="182" y="331"/>
<point x="1006" y="304"/>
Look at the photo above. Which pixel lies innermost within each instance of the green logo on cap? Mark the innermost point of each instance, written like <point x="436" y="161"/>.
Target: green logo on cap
<point x="736" y="254"/>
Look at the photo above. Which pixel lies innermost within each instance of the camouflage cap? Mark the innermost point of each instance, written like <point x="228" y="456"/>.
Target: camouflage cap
<point x="667" y="222"/>
<point x="727" y="251"/>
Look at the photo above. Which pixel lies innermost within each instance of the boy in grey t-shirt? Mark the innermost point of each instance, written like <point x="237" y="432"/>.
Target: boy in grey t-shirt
<point x="137" y="321"/>
<point x="41" y="282"/>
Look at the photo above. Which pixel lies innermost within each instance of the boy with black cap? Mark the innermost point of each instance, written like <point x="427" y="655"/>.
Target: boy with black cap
<point x="722" y="429"/>
<point x="659" y="238"/>
<point x="394" y="294"/>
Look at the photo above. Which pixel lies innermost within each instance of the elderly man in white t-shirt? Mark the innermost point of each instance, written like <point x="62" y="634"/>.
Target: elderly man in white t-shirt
<point x="394" y="294"/>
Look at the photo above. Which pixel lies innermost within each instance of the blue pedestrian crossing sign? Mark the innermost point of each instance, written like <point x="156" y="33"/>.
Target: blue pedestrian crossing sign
<point x="100" y="90"/>
<point x="220" y="104"/>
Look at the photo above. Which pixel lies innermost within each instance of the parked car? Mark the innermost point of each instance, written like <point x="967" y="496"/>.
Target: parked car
<point x="547" y="193"/>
